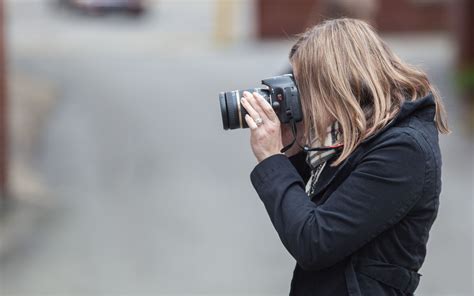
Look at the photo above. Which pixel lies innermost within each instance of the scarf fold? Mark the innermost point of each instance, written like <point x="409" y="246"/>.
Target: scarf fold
<point x="317" y="159"/>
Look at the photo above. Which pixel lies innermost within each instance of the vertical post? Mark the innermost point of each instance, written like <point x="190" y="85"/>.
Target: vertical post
<point x="3" y="111"/>
<point x="224" y="21"/>
<point x="465" y="22"/>
<point x="466" y="56"/>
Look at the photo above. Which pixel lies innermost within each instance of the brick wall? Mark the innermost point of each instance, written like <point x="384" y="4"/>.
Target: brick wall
<point x="412" y="15"/>
<point x="280" y="18"/>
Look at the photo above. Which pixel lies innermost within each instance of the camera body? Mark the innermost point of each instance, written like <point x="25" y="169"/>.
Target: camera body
<point x="281" y="93"/>
<point x="284" y="97"/>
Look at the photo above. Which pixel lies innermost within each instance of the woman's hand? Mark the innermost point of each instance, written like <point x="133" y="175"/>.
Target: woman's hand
<point x="265" y="137"/>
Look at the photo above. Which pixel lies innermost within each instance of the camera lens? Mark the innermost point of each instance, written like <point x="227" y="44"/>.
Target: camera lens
<point x="233" y="113"/>
<point x="225" y="117"/>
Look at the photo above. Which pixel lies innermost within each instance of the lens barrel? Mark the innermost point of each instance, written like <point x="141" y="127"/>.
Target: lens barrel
<point x="233" y="113"/>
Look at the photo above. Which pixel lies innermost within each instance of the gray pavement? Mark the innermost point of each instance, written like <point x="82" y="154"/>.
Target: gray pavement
<point x="153" y="197"/>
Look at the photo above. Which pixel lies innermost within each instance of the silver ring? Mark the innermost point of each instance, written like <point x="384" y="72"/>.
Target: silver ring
<point x="259" y="121"/>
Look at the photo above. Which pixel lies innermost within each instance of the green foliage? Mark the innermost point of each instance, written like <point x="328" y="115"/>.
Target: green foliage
<point x="466" y="79"/>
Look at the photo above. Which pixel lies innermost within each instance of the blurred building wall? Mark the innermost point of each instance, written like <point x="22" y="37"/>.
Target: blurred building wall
<point x="412" y="15"/>
<point x="280" y="18"/>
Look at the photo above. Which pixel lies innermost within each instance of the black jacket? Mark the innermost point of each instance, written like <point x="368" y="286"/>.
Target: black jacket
<point x="365" y="230"/>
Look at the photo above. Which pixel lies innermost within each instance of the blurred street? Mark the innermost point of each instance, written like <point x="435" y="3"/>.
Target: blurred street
<point x="151" y="195"/>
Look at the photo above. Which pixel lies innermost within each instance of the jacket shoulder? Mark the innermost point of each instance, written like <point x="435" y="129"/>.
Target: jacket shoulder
<point x="422" y="136"/>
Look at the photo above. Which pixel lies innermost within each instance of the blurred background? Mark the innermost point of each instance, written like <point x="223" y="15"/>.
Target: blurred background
<point x="116" y="176"/>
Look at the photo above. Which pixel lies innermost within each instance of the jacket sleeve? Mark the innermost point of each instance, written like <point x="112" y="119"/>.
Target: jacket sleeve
<point x="381" y="189"/>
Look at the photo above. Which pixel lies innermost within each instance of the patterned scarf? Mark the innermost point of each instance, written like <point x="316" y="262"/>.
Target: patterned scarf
<point x="317" y="159"/>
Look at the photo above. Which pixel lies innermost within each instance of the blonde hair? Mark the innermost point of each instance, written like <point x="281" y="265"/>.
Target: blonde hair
<point x="346" y="73"/>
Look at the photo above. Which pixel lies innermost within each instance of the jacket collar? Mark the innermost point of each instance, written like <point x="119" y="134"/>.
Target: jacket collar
<point x="423" y="108"/>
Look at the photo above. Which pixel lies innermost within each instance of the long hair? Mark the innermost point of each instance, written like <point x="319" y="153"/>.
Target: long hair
<point x="346" y="73"/>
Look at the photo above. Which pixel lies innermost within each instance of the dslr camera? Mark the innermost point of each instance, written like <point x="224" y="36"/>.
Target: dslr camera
<point x="280" y="91"/>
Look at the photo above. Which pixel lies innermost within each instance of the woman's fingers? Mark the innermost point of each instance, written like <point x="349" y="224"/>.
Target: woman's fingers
<point x="266" y="107"/>
<point x="250" y="110"/>
<point x="250" y="122"/>
<point x="256" y="106"/>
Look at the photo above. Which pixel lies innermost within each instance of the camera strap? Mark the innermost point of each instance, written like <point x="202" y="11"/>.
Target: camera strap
<point x="294" y="132"/>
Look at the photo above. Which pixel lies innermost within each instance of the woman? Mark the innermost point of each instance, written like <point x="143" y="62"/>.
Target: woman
<point x="356" y="216"/>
